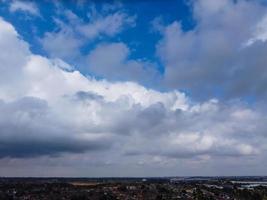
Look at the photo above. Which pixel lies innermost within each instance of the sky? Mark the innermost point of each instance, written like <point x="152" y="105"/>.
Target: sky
<point x="133" y="88"/>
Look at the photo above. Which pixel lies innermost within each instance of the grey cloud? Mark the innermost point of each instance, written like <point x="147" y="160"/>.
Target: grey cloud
<point x="250" y="75"/>
<point x="212" y="58"/>
<point x="52" y="43"/>
<point x="152" y="116"/>
<point x="60" y="112"/>
<point x="214" y="132"/>
<point x="28" y="131"/>
<point x="112" y="61"/>
<point x="82" y="95"/>
<point x="30" y="147"/>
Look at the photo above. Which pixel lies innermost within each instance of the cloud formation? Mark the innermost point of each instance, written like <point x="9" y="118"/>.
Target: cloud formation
<point x="75" y="32"/>
<point x="109" y="124"/>
<point x="50" y="110"/>
<point x="24" y="6"/>
<point x="222" y="54"/>
<point x="112" y="60"/>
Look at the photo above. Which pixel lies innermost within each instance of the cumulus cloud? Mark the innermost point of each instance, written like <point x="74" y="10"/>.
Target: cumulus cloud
<point x="28" y="131"/>
<point x="24" y="6"/>
<point x="112" y="61"/>
<point x="52" y="43"/>
<point x="106" y="60"/>
<point x="74" y="32"/>
<point x="222" y="54"/>
<point x="51" y="110"/>
<point x="108" y="25"/>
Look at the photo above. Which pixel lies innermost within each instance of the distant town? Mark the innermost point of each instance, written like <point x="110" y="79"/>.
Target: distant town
<point x="195" y="188"/>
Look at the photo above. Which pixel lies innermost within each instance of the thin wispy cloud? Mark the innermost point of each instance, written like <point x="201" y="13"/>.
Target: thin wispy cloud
<point x="24" y="6"/>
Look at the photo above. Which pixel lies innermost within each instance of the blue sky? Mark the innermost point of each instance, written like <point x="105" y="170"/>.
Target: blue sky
<point x="141" y="33"/>
<point x="133" y="88"/>
<point x="141" y="37"/>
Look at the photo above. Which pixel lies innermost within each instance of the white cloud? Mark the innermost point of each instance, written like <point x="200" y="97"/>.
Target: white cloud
<point x="24" y="6"/>
<point x="259" y="33"/>
<point x="63" y="44"/>
<point x="76" y="32"/>
<point x="101" y="24"/>
<point x="47" y="108"/>
<point x="107" y="25"/>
